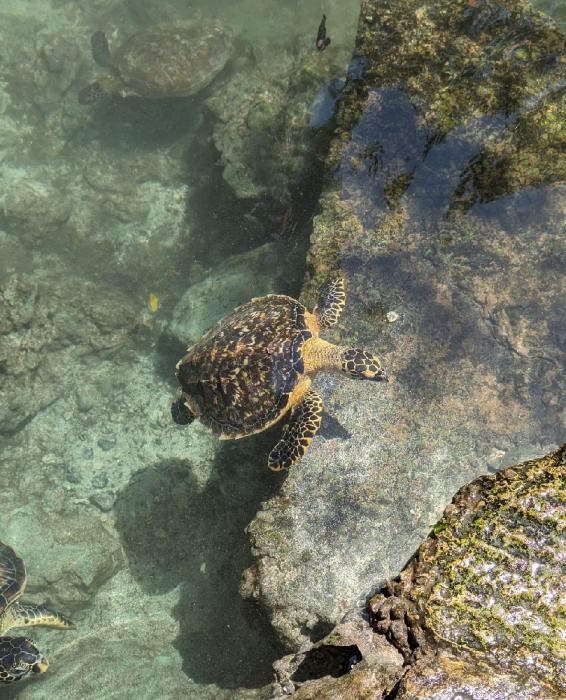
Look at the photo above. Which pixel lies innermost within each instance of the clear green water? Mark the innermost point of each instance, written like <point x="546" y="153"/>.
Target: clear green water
<point x="108" y="215"/>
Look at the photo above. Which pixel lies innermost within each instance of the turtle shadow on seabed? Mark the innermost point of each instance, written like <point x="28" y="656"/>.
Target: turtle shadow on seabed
<point x="135" y="122"/>
<point x="179" y="533"/>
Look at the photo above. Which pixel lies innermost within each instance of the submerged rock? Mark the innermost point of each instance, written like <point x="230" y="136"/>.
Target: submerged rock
<point x="472" y="272"/>
<point x="475" y="614"/>
<point x="234" y="282"/>
<point x="34" y="207"/>
<point x="271" y="118"/>
<point x="47" y="322"/>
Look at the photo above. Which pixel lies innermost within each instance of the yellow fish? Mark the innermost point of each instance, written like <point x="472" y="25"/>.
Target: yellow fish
<point x="153" y="302"/>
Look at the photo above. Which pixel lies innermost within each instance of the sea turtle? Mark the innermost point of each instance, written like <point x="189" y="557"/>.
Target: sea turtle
<point x="19" y="657"/>
<point x="477" y="613"/>
<point x="168" y="60"/>
<point x="254" y="367"/>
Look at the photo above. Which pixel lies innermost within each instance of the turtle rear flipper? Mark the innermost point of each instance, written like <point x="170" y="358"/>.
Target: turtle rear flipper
<point x="29" y="615"/>
<point x="331" y="301"/>
<point x="100" y="49"/>
<point x="298" y="433"/>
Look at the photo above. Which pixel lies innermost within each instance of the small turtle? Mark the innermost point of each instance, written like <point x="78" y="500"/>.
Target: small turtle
<point x="254" y="367"/>
<point x="169" y="60"/>
<point x="19" y="657"/>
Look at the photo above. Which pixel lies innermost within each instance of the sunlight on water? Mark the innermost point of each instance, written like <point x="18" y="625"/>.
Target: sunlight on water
<point x="147" y="189"/>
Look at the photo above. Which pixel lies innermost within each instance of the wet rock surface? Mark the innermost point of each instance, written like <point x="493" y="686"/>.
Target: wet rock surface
<point x="457" y="285"/>
<point x="350" y="661"/>
<point x="475" y="614"/>
<point x="444" y="677"/>
<point x="268" y="141"/>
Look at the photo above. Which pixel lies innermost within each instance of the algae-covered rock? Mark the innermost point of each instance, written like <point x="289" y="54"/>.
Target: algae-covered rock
<point x="477" y="613"/>
<point x="456" y="283"/>
<point x="489" y="582"/>
<point x="270" y="117"/>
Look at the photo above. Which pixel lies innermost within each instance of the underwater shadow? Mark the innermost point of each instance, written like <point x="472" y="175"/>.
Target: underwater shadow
<point x="177" y="532"/>
<point x="134" y="123"/>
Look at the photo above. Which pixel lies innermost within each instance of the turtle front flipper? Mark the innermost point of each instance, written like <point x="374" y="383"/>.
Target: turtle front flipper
<point x="298" y="433"/>
<point x="100" y="49"/>
<point x="331" y="300"/>
<point x="19" y="658"/>
<point x="362" y="365"/>
<point x="28" y="615"/>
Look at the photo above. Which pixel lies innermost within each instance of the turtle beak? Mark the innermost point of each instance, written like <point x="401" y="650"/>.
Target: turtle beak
<point x="41" y="666"/>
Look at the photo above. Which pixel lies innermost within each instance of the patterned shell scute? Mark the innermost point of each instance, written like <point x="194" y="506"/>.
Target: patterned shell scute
<point x="239" y="375"/>
<point x="173" y="60"/>
<point x="12" y="576"/>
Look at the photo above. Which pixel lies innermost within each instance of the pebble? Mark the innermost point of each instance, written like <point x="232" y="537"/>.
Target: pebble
<point x="103" y="500"/>
<point x="106" y="443"/>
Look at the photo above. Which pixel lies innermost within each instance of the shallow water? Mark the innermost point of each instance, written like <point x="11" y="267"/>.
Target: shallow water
<point x="129" y="227"/>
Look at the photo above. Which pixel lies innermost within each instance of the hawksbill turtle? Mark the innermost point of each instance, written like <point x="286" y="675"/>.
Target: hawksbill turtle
<point x="19" y="657"/>
<point x="255" y="366"/>
<point x="168" y="60"/>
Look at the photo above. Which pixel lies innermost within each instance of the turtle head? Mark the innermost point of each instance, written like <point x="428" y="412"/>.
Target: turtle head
<point x="363" y="365"/>
<point x="92" y="94"/>
<point x="19" y="658"/>
<point x="103" y="89"/>
<point x="181" y="413"/>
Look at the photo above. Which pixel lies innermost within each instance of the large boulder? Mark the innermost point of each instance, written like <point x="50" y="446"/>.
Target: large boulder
<point x="476" y="613"/>
<point x="443" y="208"/>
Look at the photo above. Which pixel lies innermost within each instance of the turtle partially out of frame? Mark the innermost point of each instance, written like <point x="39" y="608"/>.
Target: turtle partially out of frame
<point x="19" y="657"/>
<point x="255" y="366"/>
<point x="168" y="60"/>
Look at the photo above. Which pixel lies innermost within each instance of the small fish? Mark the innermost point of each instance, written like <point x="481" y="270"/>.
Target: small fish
<point x="153" y="302"/>
<point x="322" y="40"/>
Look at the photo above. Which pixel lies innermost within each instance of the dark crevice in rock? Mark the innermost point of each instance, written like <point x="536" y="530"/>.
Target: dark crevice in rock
<point x="392" y="695"/>
<point x="233" y="224"/>
<point x="327" y="660"/>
